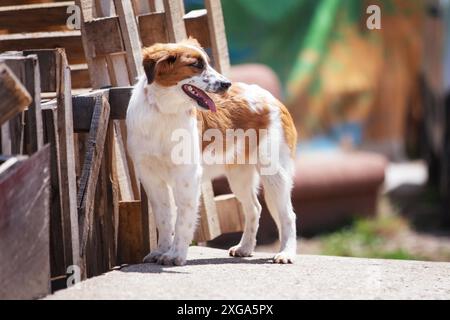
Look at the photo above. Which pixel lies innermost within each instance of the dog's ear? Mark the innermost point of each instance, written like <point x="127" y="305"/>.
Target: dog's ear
<point x="153" y="64"/>
<point x="192" y="41"/>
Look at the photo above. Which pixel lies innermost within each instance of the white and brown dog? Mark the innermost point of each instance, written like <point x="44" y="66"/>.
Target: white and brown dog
<point x="172" y="97"/>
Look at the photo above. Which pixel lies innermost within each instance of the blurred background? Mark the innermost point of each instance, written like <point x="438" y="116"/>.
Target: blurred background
<point x="371" y="109"/>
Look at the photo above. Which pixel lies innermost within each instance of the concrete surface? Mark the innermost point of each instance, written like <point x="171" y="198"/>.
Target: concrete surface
<point x="211" y="274"/>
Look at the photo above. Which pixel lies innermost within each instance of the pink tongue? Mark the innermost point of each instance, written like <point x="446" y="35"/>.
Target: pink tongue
<point x="211" y="104"/>
<point x="207" y="100"/>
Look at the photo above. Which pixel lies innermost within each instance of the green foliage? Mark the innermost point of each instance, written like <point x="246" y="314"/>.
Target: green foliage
<point x="367" y="238"/>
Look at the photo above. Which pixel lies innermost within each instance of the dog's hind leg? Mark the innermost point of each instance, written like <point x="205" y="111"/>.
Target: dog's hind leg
<point x="244" y="183"/>
<point x="277" y="194"/>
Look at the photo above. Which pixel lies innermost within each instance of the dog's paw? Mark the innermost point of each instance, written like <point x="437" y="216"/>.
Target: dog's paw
<point x="168" y="259"/>
<point x="240" y="251"/>
<point x="284" y="258"/>
<point x="152" y="257"/>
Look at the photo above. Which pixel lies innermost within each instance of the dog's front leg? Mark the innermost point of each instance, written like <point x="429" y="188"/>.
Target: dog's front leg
<point x="159" y="199"/>
<point x="186" y="192"/>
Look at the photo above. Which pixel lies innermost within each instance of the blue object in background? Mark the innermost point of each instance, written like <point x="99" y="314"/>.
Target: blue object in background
<point x="351" y="131"/>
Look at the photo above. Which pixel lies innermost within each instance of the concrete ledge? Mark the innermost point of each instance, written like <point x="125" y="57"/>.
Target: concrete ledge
<point x="211" y="274"/>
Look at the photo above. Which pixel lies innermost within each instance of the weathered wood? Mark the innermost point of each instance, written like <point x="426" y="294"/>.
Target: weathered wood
<point x="58" y="265"/>
<point x="230" y="213"/>
<point x="148" y="222"/>
<point x="141" y="7"/>
<point x="47" y="68"/>
<point x="130" y="34"/>
<point x="83" y="109"/>
<point x="125" y="179"/>
<point x="33" y="118"/>
<point x="83" y="106"/>
<point x="196" y="23"/>
<point x="24" y="228"/>
<point x="153" y="28"/>
<point x="91" y="167"/>
<point x="14" y="97"/>
<point x="219" y="44"/>
<point x="131" y="248"/>
<point x="26" y="134"/>
<point x="118" y="69"/>
<point x="67" y="175"/>
<point x="70" y="40"/>
<point x="111" y="219"/>
<point x="34" y="17"/>
<point x="80" y="76"/>
<point x="174" y="10"/>
<point x="137" y="231"/>
<point x="210" y="224"/>
<point x="105" y="34"/>
<point x="98" y="71"/>
<point x="119" y="98"/>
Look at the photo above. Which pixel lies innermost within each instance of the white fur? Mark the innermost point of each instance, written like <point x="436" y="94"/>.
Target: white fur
<point x="154" y="113"/>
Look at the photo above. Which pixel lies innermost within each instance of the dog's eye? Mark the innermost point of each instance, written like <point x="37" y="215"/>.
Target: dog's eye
<point x="197" y="64"/>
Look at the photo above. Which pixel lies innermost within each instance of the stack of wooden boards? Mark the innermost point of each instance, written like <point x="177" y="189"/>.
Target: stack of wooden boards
<point x="98" y="215"/>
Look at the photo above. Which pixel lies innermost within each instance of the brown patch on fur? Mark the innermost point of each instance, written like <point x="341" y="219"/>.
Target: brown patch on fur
<point x="234" y="112"/>
<point x="290" y="132"/>
<point x="168" y="64"/>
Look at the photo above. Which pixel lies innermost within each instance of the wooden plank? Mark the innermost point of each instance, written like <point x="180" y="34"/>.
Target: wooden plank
<point x="58" y="265"/>
<point x="174" y="10"/>
<point x="131" y="39"/>
<point x="141" y="7"/>
<point x="33" y="117"/>
<point x="14" y="98"/>
<point x="148" y="222"/>
<point x="67" y="175"/>
<point x="80" y="76"/>
<point x="24" y="228"/>
<point x="153" y="28"/>
<point x="230" y="213"/>
<point x="91" y="167"/>
<point x="130" y="247"/>
<point x="70" y="40"/>
<point x="210" y="224"/>
<point x="98" y="71"/>
<point x="219" y="44"/>
<point x="118" y="69"/>
<point x="196" y="23"/>
<point x="83" y="106"/>
<point x="137" y="231"/>
<point x="47" y="68"/>
<point x="125" y="180"/>
<point x="83" y="109"/>
<point x="111" y="219"/>
<point x="119" y="99"/>
<point x="34" y="17"/>
<point x="26" y="131"/>
<point x="105" y="34"/>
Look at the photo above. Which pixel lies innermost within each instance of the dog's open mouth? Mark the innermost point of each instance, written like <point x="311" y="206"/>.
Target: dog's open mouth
<point x="202" y="99"/>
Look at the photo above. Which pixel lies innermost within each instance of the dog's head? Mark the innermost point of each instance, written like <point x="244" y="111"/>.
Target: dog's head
<point x="184" y="69"/>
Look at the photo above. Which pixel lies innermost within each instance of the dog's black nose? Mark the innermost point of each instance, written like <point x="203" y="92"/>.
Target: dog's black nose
<point x="225" y="85"/>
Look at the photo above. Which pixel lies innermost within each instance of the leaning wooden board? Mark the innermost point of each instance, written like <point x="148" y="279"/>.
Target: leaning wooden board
<point x="24" y="228"/>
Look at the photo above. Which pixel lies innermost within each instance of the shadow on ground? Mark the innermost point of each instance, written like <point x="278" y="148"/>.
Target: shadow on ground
<point x="156" y="268"/>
